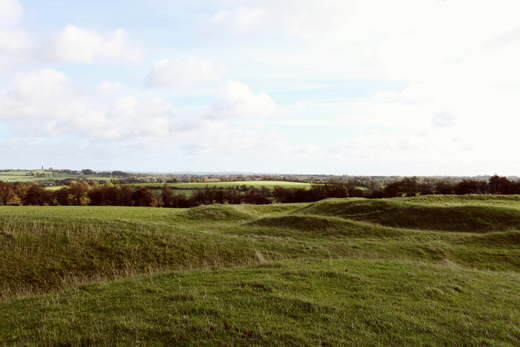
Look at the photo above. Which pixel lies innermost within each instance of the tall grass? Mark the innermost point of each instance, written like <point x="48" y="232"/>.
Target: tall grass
<point x="337" y="272"/>
<point x="42" y="256"/>
<point x="312" y="302"/>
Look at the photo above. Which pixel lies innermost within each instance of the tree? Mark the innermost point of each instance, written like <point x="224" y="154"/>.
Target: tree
<point x="199" y="197"/>
<point x="125" y="196"/>
<point x="393" y="190"/>
<point x="96" y="196"/>
<point x="86" y="185"/>
<point x="377" y="194"/>
<point x="256" y="199"/>
<point x="499" y="185"/>
<point x="424" y="189"/>
<point x="6" y="193"/>
<point x="470" y="186"/>
<point x="444" y="187"/>
<point x="78" y="190"/>
<point x="167" y="196"/>
<point x="114" y="181"/>
<point x="232" y="197"/>
<point x="37" y="196"/>
<point x="409" y="186"/>
<point x="63" y="197"/>
<point x="21" y="191"/>
<point x="219" y="196"/>
<point x="143" y="197"/>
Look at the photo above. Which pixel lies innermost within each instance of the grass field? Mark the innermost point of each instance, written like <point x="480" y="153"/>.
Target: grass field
<point x="23" y="176"/>
<point x="426" y="271"/>
<point x="234" y="184"/>
<point x="19" y="176"/>
<point x="189" y="188"/>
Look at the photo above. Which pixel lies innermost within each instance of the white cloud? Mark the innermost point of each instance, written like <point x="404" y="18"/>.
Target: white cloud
<point x="110" y="87"/>
<point x="73" y="44"/>
<point x="14" y="45"/>
<point x="80" y="45"/>
<point x="14" y="42"/>
<point x="239" y="21"/>
<point x="403" y="40"/>
<point x="36" y="96"/>
<point x="455" y="63"/>
<point x="177" y="74"/>
<point x="443" y="119"/>
<point x="47" y="104"/>
<point x="10" y="12"/>
<point x="236" y="100"/>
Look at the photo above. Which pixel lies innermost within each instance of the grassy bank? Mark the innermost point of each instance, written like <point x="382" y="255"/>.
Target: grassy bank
<point x="311" y="302"/>
<point x="437" y="271"/>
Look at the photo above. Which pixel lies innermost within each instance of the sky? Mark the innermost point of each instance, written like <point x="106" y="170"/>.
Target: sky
<point x="345" y="87"/>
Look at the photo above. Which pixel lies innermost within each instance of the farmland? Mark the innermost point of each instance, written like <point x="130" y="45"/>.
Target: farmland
<point x="52" y="180"/>
<point x="428" y="270"/>
<point x="233" y="184"/>
<point x="44" y="176"/>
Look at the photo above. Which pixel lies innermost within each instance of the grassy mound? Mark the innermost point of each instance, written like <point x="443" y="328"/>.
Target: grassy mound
<point x="352" y="302"/>
<point x="508" y="239"/>
<point x="217" y="213"/>
<point x="338" y="272"/>
<point x="305" y="223"/>
<point x="318" y="226"/>
<point x="473" y="199"/>
<point x="41" y="256"/>
<point x="272" y="209"/>
<point x="404" y="214"/>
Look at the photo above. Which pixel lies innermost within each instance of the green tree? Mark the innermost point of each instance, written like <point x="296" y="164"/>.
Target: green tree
<point x="6" y="193"/>
<point x="167" y="196"/>
<point x="78" y="190"/>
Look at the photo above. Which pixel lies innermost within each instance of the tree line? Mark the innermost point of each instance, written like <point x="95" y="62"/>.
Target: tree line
<point x="93" y="194"/>
<point x="414" y="186"/>
<point x="77" y="193"/>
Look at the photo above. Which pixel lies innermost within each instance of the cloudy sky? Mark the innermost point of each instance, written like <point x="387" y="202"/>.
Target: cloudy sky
<point x="357" y="87"/>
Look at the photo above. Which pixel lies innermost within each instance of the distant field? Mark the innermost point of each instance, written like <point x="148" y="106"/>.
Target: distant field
<point x="21" y="176"/>
<point x="54" y="188"/>
<point x="425" y="271"/>
<point x="258" y="184"/>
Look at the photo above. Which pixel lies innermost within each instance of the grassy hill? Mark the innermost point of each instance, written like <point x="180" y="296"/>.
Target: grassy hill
<point x="341" y="272"/>
<point x="406" y="213"/>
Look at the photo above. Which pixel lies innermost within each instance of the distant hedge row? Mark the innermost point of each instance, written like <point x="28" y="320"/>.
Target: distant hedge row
<point x="412" y="187"/>
<point x="83" y="193"/>
<point x="78" y="193"/>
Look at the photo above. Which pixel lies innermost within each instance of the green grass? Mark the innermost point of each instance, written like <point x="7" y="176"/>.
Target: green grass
<point x="405" y="213"/>
<point x="431" y="271"/>
<point x="312" y="302"/>
<point x="21" y="176"/>
<point x="471" y="199"/>
<point x="187" y="192"/>
<point x="189" y="188"/>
